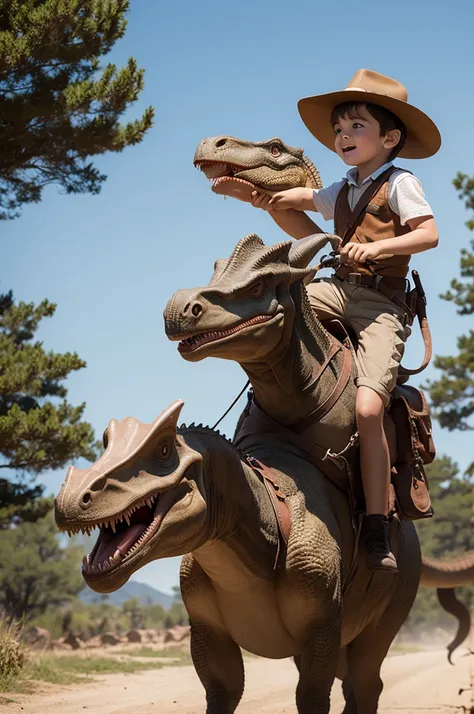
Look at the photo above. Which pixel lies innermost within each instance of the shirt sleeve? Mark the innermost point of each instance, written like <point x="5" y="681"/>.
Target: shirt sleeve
<point x="406" y="198"/>
<point x="324" y="199"/>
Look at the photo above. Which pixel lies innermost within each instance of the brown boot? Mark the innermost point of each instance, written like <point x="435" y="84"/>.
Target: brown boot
<point x="379" y="556"/>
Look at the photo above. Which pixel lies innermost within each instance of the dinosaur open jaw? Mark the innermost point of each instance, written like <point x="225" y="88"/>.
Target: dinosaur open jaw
<point x="194" y="342"/>
<point x="122" y="537"/>
<point x="218" y="169"/>
<point x="225" y="180"/>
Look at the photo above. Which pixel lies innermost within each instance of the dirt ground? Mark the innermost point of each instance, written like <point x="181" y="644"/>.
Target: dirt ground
<point x="414" y="682"/>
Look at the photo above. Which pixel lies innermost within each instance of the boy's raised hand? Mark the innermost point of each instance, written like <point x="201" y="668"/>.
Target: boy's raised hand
<point x="299" y="198"/>
<point x="260" y="200"/>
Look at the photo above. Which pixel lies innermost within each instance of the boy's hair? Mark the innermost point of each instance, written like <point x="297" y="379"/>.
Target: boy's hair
<point x="385" y="118"/>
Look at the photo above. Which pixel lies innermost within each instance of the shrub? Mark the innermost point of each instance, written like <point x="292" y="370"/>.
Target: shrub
<point x="12" y="653"/>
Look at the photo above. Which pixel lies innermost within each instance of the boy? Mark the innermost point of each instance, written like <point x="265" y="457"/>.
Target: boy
<point x="381" y="214"/>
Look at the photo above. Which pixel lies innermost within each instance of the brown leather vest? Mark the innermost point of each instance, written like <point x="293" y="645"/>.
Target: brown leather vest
<point x="372" y="219"/>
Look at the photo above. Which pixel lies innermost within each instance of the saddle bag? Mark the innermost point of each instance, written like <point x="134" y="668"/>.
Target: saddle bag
<point x="415" y="448"/>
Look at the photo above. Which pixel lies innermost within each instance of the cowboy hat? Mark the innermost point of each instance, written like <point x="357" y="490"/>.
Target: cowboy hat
<point x="423" y="138"/>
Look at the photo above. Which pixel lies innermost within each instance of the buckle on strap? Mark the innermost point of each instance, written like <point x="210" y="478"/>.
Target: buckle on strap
<point x="354" y="278"/>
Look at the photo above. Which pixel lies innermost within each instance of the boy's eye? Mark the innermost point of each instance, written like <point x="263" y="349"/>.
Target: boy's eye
<point x="337" y="130"/>
<point x="357" y="125"/>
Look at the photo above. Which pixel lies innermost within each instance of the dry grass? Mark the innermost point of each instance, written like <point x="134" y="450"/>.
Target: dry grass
<point x="12" y="654"/>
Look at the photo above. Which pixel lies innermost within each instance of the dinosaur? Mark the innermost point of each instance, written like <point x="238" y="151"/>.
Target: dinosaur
<point x="160" y="491"/>
<point x="236" y="166"/>
<point x="255" y="311"/>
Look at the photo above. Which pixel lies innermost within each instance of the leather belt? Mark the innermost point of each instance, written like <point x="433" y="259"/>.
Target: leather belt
<point x="395" y="289"/>
<point x="372" y="281"/>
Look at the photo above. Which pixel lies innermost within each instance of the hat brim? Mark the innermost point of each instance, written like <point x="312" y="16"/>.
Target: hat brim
<point x="423" y="137"/>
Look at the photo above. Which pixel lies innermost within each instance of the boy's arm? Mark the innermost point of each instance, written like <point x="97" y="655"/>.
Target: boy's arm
<point x="296" y="223"/>
<point x="286" y="208"/>
<point x="422" y="236"/>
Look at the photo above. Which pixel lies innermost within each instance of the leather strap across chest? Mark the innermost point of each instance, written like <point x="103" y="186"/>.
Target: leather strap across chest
<point x="346" y="221"/>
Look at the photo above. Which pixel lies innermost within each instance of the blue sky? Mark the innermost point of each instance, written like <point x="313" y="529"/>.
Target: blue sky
<point x="112" y="261"/>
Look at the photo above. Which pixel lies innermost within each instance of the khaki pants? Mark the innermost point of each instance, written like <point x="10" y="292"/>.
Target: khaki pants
<point x="378" y="324"/>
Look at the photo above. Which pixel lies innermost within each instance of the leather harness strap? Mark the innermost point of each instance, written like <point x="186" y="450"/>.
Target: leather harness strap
<point x="277" y="499"/>
<point x="257" y="422"/>
<point x="332" y="398"/>
<point x="335" y="347"/>
<point x="420" y="312"/>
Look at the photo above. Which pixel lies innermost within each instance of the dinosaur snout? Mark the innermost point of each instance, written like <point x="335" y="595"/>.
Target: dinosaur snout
<point x="183" y="312"/>
<point x="206" y="150"/>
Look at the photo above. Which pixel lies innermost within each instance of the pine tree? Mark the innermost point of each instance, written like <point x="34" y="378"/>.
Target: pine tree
<point x="36" y="573"/>
<point x="452" y="395"/>
<point x="58" y="106"/>
<point x="39" y="429"/>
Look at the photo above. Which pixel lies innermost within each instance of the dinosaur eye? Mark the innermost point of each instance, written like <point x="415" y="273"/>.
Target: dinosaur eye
<point x="257" y="289"/>
<point x="163" y="451"/>
<point x="276" y="150"/>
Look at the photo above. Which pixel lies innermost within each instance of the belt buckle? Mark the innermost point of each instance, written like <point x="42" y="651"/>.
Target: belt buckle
<point x="354" y="278"/>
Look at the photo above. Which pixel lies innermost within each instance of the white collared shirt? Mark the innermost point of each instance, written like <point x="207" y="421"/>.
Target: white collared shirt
<point x="405" y="194"/>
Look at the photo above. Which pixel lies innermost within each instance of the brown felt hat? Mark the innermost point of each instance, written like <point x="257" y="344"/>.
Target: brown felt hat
<point x="423" y="138"/>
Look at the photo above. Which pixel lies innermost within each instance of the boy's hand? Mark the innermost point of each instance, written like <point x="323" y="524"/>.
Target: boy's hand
<point x="360" y="252"/>
<point x="299" y="198"/>
<point x="260" y="200"/>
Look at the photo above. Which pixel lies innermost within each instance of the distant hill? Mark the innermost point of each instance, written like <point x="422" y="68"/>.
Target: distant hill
<point x="145" y="593"/>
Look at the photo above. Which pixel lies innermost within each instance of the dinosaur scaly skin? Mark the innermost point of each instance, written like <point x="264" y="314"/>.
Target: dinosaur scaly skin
<point x="237" y="166"/>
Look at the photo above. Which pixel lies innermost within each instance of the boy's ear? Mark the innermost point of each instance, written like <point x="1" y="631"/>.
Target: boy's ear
<point x="391" y="139"/>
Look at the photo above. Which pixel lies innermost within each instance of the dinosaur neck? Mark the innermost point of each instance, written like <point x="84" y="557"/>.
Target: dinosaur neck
<point x="284" y="383"/>
<point x="239" y="513"/>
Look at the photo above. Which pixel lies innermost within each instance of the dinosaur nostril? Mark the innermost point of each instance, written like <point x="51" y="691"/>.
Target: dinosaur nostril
<point x="196" y="309"/>
<point x="220" y="142"/>
<point x="86" y="499"/>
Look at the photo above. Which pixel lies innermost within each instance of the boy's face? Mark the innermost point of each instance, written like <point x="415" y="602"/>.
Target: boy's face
<point x="358" y="140"/>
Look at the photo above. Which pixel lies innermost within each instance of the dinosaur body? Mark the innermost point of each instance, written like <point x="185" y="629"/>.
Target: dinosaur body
<point x="216" y="510"/>
<point x="160" y="491"/>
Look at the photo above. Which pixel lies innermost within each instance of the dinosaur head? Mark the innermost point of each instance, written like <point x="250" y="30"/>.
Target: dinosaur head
<point x="247" y="311"/>
<point x="236" y="167"/>
<point x="144" y="494"/>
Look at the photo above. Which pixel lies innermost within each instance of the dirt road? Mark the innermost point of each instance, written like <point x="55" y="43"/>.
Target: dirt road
<point x="419" y="682"/>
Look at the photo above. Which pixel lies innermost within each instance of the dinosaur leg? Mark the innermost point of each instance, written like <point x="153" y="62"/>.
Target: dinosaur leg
<point x="216" y="657"/>
<point x="219" y="665"/>
<point x="318" y="665"/>
<point x="349" y="696"/>
<point x="363" y="686"/>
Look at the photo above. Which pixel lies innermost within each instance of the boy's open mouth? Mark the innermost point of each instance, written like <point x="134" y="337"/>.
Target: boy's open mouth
<point x="345" y="149"/>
